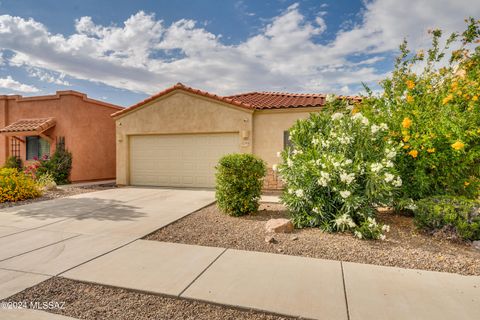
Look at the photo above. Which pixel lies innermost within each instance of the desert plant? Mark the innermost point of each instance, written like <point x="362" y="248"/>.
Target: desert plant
<point x="13" y="162"/>
<point x="457" y="214"/>
<point x="16" y="185"/>
<point x="239" y="181"/>
<point x="431" y="105"/>
<point x="46" y="181"/>
<point x="338" y="169"/>
<point x="59" y="165"/>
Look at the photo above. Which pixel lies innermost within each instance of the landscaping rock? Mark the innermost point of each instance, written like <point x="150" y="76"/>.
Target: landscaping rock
<point x="279" y="225"/>
<point x="270" y="239"/>
<point x="293" y="238"/>
<point x="476" y="244"/>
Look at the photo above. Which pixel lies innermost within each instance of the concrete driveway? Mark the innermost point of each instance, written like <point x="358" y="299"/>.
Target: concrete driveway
<point x="44" y="239"/>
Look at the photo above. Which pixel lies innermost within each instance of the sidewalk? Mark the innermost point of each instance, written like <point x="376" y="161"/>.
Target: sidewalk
<point x="286" y="285"/>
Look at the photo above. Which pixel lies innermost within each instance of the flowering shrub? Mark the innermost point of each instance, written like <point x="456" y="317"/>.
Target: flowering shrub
<point x="339" y="168"/>
<point x="432" y="108"/>
<point x="16" y="185"/>
<point x="457" y="214"/>
<point x="239" y="183"/>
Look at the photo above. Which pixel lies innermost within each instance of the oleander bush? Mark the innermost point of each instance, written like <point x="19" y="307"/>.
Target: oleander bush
<point x="16" y="186"/>
<point x="239" y="181"/>
<point x="458" y="214"/>
<point x="338" y="169"/>
<point x="431" y="106"/>
<point x="58" y="166"/>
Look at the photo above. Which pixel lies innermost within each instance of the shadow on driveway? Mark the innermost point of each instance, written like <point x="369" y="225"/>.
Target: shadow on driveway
<point x="84" y="208"/>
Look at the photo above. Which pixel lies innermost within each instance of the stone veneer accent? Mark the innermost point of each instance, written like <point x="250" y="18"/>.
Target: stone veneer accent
<point x="272" y="181"/>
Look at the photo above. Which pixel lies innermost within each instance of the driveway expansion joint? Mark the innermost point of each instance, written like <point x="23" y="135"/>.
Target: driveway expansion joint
<point x="203" y="271"/>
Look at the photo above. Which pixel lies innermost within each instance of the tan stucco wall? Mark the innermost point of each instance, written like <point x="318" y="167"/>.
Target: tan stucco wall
<point x="86" y="124"/>
<point x="176" y="113"/>
<point x="268" y="128"/>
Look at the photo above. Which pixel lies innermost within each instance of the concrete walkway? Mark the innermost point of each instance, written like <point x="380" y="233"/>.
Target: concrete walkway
<point x="282" y="284"/>
<point x="43" y="239"/>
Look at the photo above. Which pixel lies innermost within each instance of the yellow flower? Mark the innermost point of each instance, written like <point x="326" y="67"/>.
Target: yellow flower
<point x="431" y="150"/>
<point x="466" y="183"/>
<point x="458" y="145"/>
<point x="475" y="98"/>
<point x="447" y="99"/>
<point x="406" y="138"/>
<point x="410" y="84"/>
<point x="413" y="153"/>
<point x="406" y="123"/>
<point x="409" y="98"/>
<point x="406" y="146"/>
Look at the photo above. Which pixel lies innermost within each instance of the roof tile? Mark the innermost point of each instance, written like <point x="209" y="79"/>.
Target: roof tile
<point x="24" y="125"/>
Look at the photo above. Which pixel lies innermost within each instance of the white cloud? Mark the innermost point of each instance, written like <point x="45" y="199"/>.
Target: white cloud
<point x="13" y="85"/>
<point x="145" y="55"/>
<point x="48" y="76"/>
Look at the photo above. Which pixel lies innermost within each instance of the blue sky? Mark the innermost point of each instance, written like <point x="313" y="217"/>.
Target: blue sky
<point x="123" y="51"/>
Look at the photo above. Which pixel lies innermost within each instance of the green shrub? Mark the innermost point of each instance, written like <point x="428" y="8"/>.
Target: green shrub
<point x="59" y="165"/>
<point x="431" y="104"/>
<point x="13" y="162"/>
<point x="16" y="186"/>
<point x="239" y="183"/>
<point x="46" y="181"/>
<point x="456" y="213"/>
<point x="338" y="169"/>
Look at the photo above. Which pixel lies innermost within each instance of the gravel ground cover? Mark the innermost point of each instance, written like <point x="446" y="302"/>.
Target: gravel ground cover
<point x="96" y="302"/>
<point x="58" y="193"/>
<point x="404" y="247"/>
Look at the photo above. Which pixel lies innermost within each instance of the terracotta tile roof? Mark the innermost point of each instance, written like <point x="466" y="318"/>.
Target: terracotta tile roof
<point x="250" y="100"/>
<point x="23" y="125"/>
<point x="280" y="100"/>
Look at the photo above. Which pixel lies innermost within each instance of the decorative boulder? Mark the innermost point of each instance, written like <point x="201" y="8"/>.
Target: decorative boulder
<point x="279" y="226"/>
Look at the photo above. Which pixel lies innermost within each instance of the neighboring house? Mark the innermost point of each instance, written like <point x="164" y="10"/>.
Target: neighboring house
<point x="31" y="127"/>
<point x="176" y="137"/>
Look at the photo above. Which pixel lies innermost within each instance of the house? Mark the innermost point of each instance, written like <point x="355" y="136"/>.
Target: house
<point x="176" y="137"/>
<point x="31" y="127"/>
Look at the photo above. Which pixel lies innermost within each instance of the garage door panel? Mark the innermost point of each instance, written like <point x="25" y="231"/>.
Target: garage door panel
<point x="178" y="160"/>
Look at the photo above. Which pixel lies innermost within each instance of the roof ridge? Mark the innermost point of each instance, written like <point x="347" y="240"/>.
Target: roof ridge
<point x="181" y="86"/>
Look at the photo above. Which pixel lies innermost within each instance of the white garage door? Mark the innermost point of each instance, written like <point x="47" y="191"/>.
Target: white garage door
<point x="186" y="160"/>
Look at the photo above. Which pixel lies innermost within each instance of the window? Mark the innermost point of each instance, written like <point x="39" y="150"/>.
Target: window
<point x="37" y="148"/>
<point x="286" y="140"/>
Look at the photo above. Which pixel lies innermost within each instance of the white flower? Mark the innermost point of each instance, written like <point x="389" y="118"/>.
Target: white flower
<point x="330" y="97"/>
<point x="315" y="141"/>
<point x="289" y="162"/>
<point x="336" y="164"/>
<point x="325" y="143"/>
<point x="386" y="228"/>
<point x="383" y="126"/>
<point x="374" y="128"/>
<point x="349" y="107"/>
<point x="358" y="234"/>
<point x="383" y="237"/>
<point x="344" y="140"/>
<point x="345" y="194"/>
<point x="295" y="152"/>
<point x="390" y="153"/>
<point x="344" y="221"/>
<point x="291" y="191"/>
<point x="389" y="164"/>
<point x="279" y="154"/>
<point x="316" y="210"/>
<point x="376" y="167"/>
<point x="347" y="177"/>
<point x="389" y="177"/>
<point x="348" y="161"/>
<point x="397" y="182"/>
<point x="324" y="179"/>
<point x="365" y="121"/>
<point x="299" y="193"/>
<point x="275" y="167"/>
<point x="337" y="115"/>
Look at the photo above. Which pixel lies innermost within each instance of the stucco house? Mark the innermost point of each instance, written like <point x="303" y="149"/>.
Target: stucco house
<point x="31" y="127"/>
<point x="176" y="137"/>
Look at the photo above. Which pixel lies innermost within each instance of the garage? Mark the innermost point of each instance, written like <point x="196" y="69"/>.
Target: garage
<point x="178" y="160"/>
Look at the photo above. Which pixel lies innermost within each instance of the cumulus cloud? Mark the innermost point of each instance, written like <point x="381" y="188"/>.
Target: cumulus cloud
<point x="13" y="85"/>
<point x="48" y="76"/>
<point x="145" y="55"/>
